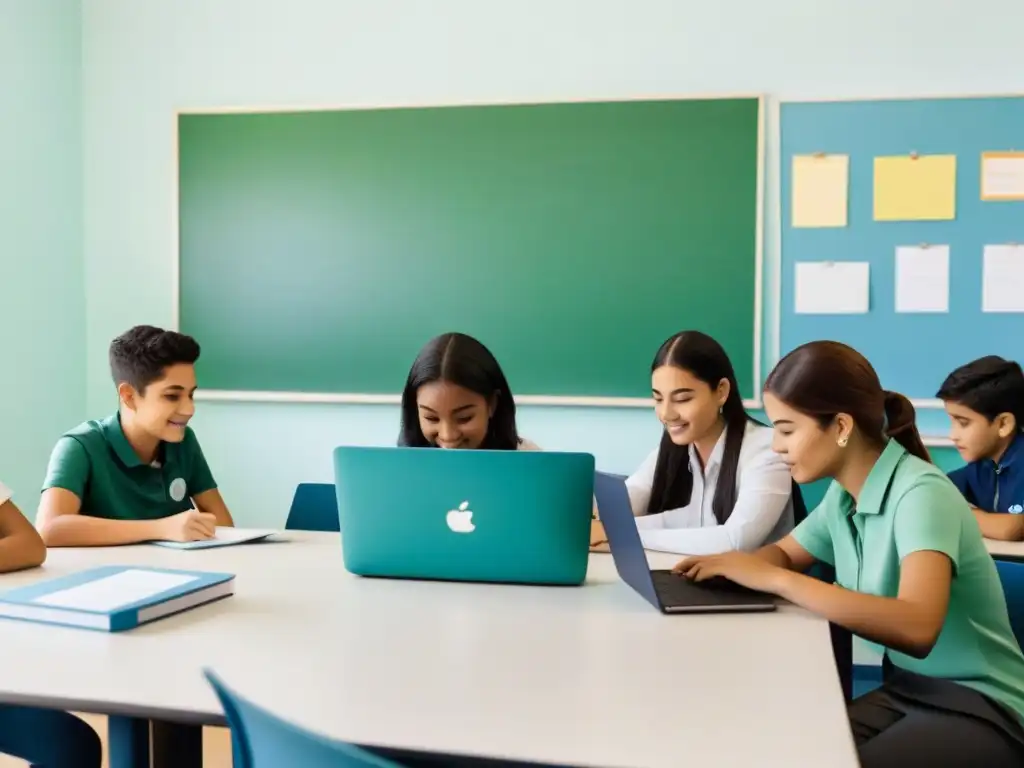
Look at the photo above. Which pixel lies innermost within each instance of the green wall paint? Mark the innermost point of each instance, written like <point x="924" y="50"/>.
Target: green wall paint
<point x="42" y="298"/>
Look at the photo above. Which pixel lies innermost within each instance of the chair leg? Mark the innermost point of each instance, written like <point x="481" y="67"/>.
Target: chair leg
<point x="176" y="745"/>
<point x="127" y="742"/>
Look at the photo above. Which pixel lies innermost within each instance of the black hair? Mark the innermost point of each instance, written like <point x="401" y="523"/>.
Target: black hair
<point x="140" y="355"/>
<point x="990" y="386"/>
<point x="703" y="357"/>
<point x="461" y="360"/>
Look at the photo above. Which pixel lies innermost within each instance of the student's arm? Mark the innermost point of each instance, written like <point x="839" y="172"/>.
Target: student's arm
<point x="927" y="537"/>
<point x="205" y="495"/>
<point x="20" y="544"/>
<point x="210" y="502"/>
<point x="999" y="525"/>
<point x="60" y="524"/>
<point x="765" y="488"/>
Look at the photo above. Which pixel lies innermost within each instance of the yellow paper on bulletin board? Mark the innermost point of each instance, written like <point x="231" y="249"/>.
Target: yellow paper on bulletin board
<point x="820" y="184"/>
<point x="915" y="188"/>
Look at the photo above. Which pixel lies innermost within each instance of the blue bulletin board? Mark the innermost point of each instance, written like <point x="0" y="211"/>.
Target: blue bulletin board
<point x="911" y="352"/>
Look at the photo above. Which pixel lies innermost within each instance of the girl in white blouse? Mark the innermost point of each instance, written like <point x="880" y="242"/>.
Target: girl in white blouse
<point x="713" y="484"/>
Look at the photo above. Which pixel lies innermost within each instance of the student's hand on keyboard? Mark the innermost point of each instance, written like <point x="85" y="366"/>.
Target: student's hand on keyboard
<point x="747" y="570"/>
<point x="191" y="525"/>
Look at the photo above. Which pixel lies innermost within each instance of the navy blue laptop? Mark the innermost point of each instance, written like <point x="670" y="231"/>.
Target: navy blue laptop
<point x="663" y="589"/>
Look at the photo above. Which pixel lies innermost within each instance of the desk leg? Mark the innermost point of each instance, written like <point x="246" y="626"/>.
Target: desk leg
<point x="127" y="742"/>
<point x="842" y="648"/>
<point x="176" y="745"/>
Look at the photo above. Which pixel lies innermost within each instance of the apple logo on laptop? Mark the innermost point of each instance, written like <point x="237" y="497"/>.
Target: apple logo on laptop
<point x="461" y="520"/>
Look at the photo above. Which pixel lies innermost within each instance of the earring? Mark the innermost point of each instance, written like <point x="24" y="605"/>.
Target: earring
<point x="842" y="441"/>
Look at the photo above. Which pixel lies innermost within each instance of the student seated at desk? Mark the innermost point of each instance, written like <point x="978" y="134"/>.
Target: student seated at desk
<point x="985" y="403"/>
<point x="713" y="484"/>
<point x="46" y="738"/>
<point x="456" y="396"/>
<point x="912" y="571"/>
<point x="139" y="474"/>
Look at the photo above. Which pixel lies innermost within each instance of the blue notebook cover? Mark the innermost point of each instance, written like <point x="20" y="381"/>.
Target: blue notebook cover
<point x="116" y="597"/>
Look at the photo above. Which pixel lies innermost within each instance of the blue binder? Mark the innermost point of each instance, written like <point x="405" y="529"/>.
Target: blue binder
<point x="115" y="598"/>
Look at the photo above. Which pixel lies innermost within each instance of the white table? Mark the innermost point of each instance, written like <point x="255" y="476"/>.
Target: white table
<point x="577" y="676"/>
<point x="1009" y="550"/>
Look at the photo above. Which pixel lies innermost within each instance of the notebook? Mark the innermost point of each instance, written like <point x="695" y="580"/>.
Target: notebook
<point x="490" y="516"/>
<point x="224" y="536"/>
<point x="114" y="598"/>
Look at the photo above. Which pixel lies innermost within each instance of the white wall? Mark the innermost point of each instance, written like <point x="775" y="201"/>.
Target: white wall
<point x="145" y="58"/>
<point x="42" y="298"/>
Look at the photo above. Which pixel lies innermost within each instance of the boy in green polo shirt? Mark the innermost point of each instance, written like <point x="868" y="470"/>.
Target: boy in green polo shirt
<point x="139" y="474"/>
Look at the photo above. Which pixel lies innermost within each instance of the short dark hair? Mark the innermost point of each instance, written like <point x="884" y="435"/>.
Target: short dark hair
<point x="825" y="378"/>
<point x="140" y="355"/>
<point x="704" y="358"/>
<point x="990" y="385"/>
<point x="465" y="362"/>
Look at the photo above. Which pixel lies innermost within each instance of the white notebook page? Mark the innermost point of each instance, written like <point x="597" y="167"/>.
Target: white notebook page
<point x="113" y="592"/>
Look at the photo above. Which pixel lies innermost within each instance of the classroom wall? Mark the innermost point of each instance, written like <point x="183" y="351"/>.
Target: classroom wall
<point x="142" y="60"/>
<point x="42" y="298"/>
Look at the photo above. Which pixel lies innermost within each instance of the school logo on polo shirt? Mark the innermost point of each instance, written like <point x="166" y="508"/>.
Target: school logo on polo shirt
<point x="178" y="488"/>
<point x="1016" y="509"/>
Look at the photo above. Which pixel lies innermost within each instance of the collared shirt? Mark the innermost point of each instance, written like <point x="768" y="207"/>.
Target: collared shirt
<point x="96" y="463"/>
<point x="763" y="511"/>
<point x="908" y="505"/>
<point x="995" y="487"/>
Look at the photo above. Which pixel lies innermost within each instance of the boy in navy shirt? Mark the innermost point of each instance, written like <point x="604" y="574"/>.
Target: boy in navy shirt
<point x="985" y="403"/>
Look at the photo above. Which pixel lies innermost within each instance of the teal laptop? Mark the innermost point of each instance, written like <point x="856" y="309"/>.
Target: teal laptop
<point x="491" y="516"/>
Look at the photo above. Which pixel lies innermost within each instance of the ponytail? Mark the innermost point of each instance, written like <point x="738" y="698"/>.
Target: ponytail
<point x="901" y="424"/>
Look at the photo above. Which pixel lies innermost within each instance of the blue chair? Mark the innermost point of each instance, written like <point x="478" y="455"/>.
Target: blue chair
<point x="260" y="739"/>
<point x="314" y="508"/>
<point x="1011" y="574"/>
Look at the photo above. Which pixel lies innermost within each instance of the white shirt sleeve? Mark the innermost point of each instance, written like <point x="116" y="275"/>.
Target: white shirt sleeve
<point x="5" y="494"/>
<point x="765" y="487"/>
<point x="527" y="445"/>
<point x="639" y="486"/>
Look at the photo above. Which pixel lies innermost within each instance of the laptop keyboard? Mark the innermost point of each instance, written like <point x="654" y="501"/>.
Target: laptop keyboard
<point x="678" y="590"/>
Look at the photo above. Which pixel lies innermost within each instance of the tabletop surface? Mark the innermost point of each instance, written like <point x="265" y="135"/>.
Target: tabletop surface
<point x="589" y="675"/>
<point x="1014" y="549"/>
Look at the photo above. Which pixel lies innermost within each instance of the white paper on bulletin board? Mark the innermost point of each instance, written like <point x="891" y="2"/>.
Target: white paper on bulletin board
<point x="922" y="278"/>
<point x="832" y="287"/>
<point x="1003" y="278"/>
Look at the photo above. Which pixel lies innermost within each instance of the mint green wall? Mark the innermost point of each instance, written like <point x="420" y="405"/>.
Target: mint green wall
<point x="42" y="298"/>
<point x="142" y="60"/>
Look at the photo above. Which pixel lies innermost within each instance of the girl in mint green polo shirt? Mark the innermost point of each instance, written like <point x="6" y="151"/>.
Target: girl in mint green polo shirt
<point x="912" y="572"/>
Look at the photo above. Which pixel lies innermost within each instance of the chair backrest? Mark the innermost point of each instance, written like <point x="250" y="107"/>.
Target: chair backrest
<point x="314" y="508"/>
<point x="263" y="740"/>
<point x="1011" y="574"/>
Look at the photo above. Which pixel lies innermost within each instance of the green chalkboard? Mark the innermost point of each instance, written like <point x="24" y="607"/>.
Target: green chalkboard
<point x="320" y="250"/>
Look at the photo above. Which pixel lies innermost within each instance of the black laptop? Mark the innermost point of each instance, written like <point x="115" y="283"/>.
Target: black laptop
<point x="665" y="590"/>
